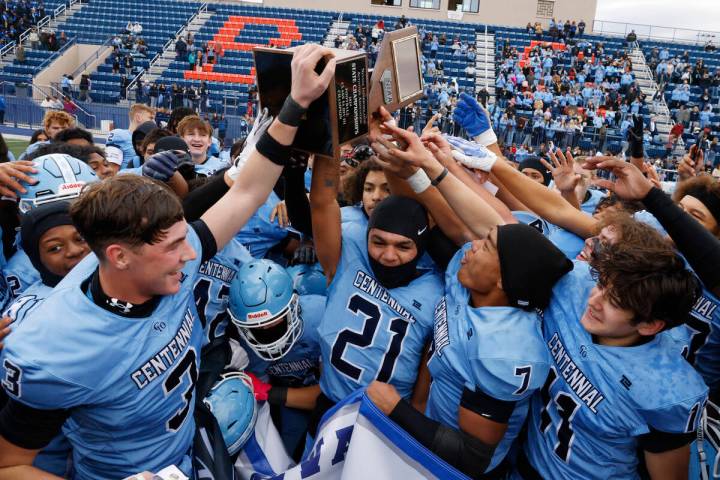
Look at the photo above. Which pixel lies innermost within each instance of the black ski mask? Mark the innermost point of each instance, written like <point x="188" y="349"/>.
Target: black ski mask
<point x="401" y="216"/>
<point x="33" y="225"/>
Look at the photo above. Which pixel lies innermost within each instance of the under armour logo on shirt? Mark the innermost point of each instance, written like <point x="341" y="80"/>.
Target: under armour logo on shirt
<point x="122" y="307"/>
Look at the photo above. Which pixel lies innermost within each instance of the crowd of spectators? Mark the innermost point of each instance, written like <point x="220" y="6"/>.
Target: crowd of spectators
<point x="557" y="31"/>
<point x="562" y="94"/>
<point x="16" y="16"/>
<point x="197" y="55"/>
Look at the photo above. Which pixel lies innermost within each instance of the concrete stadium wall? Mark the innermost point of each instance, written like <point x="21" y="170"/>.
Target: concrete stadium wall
<point x="515" y="13"/>
<point x="65" y="63"/>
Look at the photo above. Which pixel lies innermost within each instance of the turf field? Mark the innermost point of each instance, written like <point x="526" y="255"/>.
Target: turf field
<point x="16" y="146"/>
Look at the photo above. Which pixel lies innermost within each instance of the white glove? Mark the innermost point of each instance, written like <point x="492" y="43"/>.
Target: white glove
<point x="262" y="123"/>
<point x="484" y="161"/>
<point x="239" y="359"/>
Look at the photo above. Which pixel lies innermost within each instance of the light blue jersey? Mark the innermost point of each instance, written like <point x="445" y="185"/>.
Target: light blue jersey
<point x="32" y="149"/>
<point x="56" y="456"/>
<point x="300" y="367"/>
<point x="212" y="288"/>
<point x="567" y="242"/>
<point x="354" y="214"/>
<point x="497" y="350"/>
<point x="210" y="166"/>
<point x="122" y="139"/>
<point x="598" y="400"/>
<point x="369" y="332"/>
<point x="589" y="205"/>
<point x="19" y="274"/>
<point x="260" y="234"/>
<point x="699" y="336"/>
<point x="127" y="382"/>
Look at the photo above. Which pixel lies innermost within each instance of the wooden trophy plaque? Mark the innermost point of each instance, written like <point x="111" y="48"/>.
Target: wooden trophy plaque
<point x="397" y="78"/>
<point x="338" y="117"/>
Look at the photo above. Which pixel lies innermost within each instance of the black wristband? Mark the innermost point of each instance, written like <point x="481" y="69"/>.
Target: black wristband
<point x="271" y="149"/>
<point x="439" y="178"/>
<point x="277" y="396"/>
<point x="636" y="148"/>
<point x="291" y="113"/>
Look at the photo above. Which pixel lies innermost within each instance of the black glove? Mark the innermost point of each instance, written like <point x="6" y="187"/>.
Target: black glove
<point x="635" y="137"/>
<point x="163" y="165"/>
<point x="304" y="254"/>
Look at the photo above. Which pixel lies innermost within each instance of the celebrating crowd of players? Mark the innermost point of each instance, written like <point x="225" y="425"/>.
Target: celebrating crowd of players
<point x="507" y="330"/>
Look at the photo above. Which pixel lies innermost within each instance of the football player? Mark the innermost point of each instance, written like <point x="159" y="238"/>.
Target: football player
<point x="279" y="330"/>
<point x="120" y="375"/>
<point x="378" y="316"/>
<point x="58" y="177"/>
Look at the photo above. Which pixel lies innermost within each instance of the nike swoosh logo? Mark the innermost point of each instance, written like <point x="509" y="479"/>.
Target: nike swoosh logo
<point x="420" y="232"/>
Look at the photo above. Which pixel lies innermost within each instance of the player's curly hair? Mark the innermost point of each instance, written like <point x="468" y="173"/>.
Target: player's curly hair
<point x="633" y="232"/>
<point x="355" y="183"/>
<point x="650" y="280"/>
<point x="127" y="209"/>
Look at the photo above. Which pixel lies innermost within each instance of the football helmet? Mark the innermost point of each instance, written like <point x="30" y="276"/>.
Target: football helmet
<point x="60" y="177"/>
<point x="232" y="402"/>
<point x="264" y="307"/>
<point x="532" y="220"/>
<point x="308" y="279"/>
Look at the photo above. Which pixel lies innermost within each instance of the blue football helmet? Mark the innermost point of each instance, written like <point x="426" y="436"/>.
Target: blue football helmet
<point x="232" y="402"/>
<point x="264" y="307"/>
<point x="60" y="177"/>
<point x="308" y="279"/>
<point x="532" y="220"/>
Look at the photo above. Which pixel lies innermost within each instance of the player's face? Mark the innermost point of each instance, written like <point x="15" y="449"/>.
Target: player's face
<point x="54" y="128"/>
<point x="198" y="143"/>
<point x="149" y="151"/>
<point x="608" y="236"/>
<point x="375" y="190"/>
<point x="390" y="249"/>
<point x="480" y="270"/>
<point x="610" y="324"/>
<point x="101" y="167"/>
<point x="142" y="117"/>
<point x="699" y="212"/>
<point x="157" y="267"/>
<point x="534" y="175"/>
<point x="61" y="248"/>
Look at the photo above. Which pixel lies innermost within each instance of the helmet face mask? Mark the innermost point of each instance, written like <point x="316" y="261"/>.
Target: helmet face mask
<point x="272" y="337"/>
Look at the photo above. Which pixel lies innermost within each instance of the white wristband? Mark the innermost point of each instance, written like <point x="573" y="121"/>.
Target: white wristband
<point x="419" y="181"/>
<point x="486" y="138"/>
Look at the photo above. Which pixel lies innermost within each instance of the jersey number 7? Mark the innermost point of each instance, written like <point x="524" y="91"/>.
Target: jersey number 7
<point x="398" y="328"/>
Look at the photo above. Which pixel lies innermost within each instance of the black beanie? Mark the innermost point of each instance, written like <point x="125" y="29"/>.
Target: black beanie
<point x="171" y="143"/>
<point x="33" y="225"/>
<point x="535" y="163"/>
<point x="529" y="265"/>
<point x="403" y="216"/>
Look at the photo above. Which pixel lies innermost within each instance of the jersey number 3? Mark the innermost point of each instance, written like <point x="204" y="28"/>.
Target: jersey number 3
<point x="398" y="328"/>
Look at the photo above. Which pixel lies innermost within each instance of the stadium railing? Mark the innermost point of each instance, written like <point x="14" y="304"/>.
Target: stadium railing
<point x="654" y="32"/>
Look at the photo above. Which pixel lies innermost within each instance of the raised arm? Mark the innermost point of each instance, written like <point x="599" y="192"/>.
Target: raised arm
<point x="549" y="205"/>
<point x="325" y="213"/>
<point x="479" y="217"/>
<point x="272" y="151"/>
